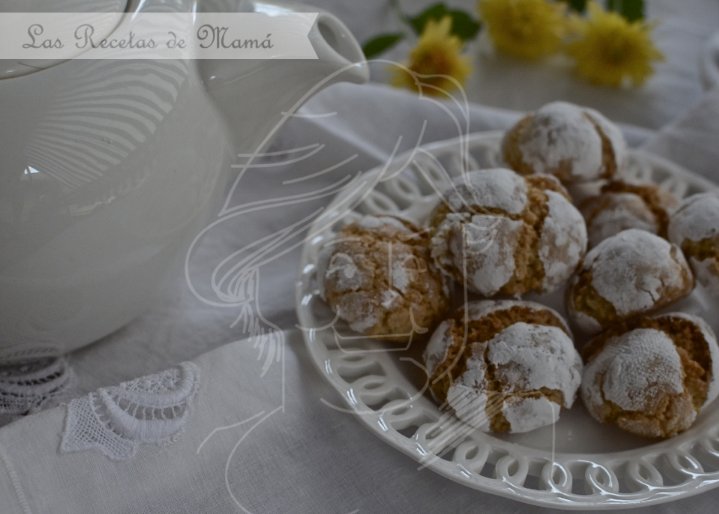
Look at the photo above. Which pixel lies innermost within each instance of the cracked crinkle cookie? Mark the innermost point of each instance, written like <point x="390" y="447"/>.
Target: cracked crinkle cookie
<point x="576" y="144"/>
<point x="504" y="366"/>
<point x="621" y="205"/>
<point x="376" y="274"/>
<point x="653" y="376"/>
<point x="694" y="227"/>
<point x="630" y="273"/>
<point x="504" y="234"/>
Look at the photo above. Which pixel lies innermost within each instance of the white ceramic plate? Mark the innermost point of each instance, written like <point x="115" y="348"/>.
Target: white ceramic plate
<point x="575" y="464"/>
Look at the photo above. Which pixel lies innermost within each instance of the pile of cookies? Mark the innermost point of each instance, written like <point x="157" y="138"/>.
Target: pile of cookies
<point x="560" y="217"/>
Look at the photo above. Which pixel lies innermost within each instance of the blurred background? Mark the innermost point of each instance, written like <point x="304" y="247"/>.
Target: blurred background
<point x="682" y="31"/>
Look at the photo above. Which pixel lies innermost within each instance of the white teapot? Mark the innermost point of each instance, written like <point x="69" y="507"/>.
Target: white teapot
<point x="108" y="168"/>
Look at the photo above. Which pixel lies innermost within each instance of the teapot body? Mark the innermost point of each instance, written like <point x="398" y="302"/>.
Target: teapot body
<point x="108" y="168"/>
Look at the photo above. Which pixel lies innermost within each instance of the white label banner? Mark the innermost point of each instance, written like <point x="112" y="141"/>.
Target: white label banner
<point x="26" y="36"/>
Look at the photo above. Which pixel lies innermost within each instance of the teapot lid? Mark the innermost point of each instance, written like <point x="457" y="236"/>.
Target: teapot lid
<point x="12" y="68"/>
<point x="63" y="5"/>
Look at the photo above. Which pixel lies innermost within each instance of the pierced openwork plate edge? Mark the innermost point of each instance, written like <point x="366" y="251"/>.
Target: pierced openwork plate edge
<point x="385" y="401"/>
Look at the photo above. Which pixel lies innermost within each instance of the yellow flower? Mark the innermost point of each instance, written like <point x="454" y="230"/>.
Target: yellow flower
<point x="435" y="65"/>
<point x="612" y="51"/>
<point x="524" y="28"/>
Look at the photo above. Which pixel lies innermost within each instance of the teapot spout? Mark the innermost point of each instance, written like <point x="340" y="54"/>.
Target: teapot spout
<point x="255" y="97"/>
<point x="338" y="50"/>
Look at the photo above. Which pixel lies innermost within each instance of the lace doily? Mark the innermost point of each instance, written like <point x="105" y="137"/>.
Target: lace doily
<point x="116" y="420"/>
<point x="28" y="386"/>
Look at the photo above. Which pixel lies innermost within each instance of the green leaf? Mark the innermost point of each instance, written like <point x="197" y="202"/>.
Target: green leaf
<point x="632" y="10"/>
<point x="433" y="12"/>
<point x="464" y="26"/>
<point x="577" y="5"/>
<point x="380" y="44"/>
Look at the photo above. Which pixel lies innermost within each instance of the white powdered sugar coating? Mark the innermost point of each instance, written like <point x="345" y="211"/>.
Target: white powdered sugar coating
<point x="348" y="276"/>
<point x="400" y="275"/>
<point x="439" y="243"/>
<point x="489" y="244"/>
<point x="479" y="246"/>
<point x="530" y="357"/>
<point x="582" y="191"/>
<point x="711" y="342"/>
<point x="525" y="414"/>
<point x="363" y="323"/>
<point x="631" y="269"/>
<point x="342" y="269"/>
<point x="495" y="188"/>
<point x="441" y="340"/>
<point x="585" y="322"/>
<point x="468" y="395"/>
<point x="622" y="211"/>
<point x="436" y="350"/>
<point x="478" y="309"/>
<point x="526" y="357"/>
<point x="359" y="309"/>
<point x="389" y="298"/>
<point x="375" y="222"/>
<point x="561" y="132"/>
<point x="562" y="242"/>
<point x="612" y="133"/>
<point x="470" y="405"/>
<point x="633" y="371"/>
<point x="697" y="218"/>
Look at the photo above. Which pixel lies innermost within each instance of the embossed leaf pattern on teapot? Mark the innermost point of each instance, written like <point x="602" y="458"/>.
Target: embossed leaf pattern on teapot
<point x="110" y="167"/>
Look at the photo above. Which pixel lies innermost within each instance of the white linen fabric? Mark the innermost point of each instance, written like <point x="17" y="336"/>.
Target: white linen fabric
<point x="692" y="139"/>
<point x="264" y="432"/>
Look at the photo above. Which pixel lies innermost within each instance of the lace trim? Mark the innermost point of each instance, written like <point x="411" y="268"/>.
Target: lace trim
<point x="30" y="386"/>
<point x="14" y="481"/>
<point x="116" y="420"/>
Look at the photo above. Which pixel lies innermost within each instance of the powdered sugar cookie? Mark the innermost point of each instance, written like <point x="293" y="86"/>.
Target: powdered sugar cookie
<point x="653" y="376"/>
<point x="621" y="205"/>
<point x="503" y="234"/>
<point x="630" y="273"/>
<point x="694" y="227"/>
<point x="377" y="275"/>
<point x="513" y="372"/>
<point x="576" y="144"/>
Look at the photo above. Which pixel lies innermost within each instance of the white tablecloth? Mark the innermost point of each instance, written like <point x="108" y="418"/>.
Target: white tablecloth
<point x="281" y="447"/>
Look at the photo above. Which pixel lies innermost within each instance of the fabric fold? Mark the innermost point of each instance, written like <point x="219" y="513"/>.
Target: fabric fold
<point x="691" y="141"/>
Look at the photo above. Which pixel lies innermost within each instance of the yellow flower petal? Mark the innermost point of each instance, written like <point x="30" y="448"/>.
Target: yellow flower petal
<point x="611" y="51"/>
<point x="529" y="29"/>
<point x="435" y="64"/>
